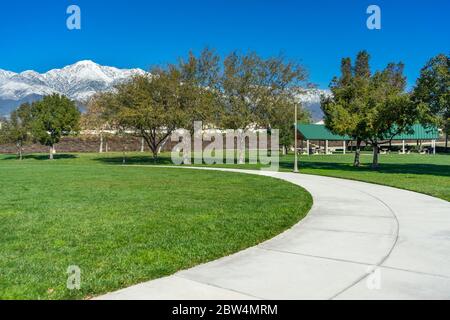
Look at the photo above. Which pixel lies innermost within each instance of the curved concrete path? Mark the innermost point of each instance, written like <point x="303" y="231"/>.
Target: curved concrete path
<point x="359" y="241"/>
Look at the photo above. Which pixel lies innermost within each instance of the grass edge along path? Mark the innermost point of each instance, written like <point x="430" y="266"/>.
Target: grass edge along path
<point x="125" y="225"/>
<point x="427" y="174"/>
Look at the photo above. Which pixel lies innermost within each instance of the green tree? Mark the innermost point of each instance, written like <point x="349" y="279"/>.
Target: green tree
<point x="433" y="90"/>
<point x="200" y="91"/>
<point x="253" y="88"/>
<point x="389" y="110"/>
<point x="17" y="128"/>
<point x="282" y="118"/>
<point x="53" y="117"/>
<point x="150" y="106"/>
<point x="370" y="108"/>
<point x="343" y="110"/>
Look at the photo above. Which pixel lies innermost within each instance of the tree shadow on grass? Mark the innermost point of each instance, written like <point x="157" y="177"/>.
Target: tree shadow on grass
<point x="40" y="157"/>
<point x="141" y="160"/>
<point x="406" y="168"/>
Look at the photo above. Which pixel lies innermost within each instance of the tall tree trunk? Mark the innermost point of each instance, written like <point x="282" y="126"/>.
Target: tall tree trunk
<point x="375" y="156"/>
<point x="152" y="145"/>
<point x="52" y="149"/>
<point x="142" y="144"/>
<point x="357" y="162"/>
<point x="101" y="143"/>
<point x="151" y="142"/>
<point x="154" y="151"/>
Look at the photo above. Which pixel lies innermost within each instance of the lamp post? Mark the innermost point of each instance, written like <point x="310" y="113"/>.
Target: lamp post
<point x="295" y="142"/>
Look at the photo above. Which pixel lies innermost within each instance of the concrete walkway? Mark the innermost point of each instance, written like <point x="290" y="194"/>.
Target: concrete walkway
<point x="359" y="241"/>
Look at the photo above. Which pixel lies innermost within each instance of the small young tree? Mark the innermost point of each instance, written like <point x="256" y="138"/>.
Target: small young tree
<point x="53" y="117"/>
<point x="96" y="116"/>
<point x="17" y="128"/>
<point x="433" y="90"/>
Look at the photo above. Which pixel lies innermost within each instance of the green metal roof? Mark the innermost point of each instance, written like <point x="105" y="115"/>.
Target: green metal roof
<point x="320" y="132"/>
<point x="420" y="133"/>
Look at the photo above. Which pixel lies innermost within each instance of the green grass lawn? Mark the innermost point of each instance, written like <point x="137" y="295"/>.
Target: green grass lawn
<point x="123" y="225"/>
<point x="429" y="174"/>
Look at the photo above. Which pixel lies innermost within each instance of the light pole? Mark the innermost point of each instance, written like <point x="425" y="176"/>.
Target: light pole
<point x="295" y="142"/>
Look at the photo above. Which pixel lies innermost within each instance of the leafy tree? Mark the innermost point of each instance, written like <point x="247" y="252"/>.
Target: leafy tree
<point x="282" y="118"/>
<point x="17" y="128"/>
<point x="344" y="109"/>
<point x="389" y="110"/>
<point x="200" y="91"/>
<point x="150" y="106"/>
<point x="433" y="90"/>
<point x="370" y="108"/>
<point x="53" y="117"/>
<point x="252" y="88"/>
<point x="246" y="92"/>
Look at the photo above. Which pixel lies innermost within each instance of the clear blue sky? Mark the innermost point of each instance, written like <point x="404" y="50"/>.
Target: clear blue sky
<point x="140" y="33"/>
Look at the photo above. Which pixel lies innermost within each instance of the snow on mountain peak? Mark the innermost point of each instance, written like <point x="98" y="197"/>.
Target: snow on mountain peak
<point x="5" y="75"/>
<point x="78" y="81"/>
<point x="85" y="63"/>
<point x="311" y="100"/>
<point x="83" y="79"/>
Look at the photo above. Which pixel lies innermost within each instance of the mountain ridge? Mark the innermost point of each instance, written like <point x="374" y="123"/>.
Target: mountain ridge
<point x="78" y="81"/>
<point x="81" y="80"/>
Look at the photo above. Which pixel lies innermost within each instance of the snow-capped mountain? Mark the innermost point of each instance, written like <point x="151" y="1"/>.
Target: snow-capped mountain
<point x="85" y="78"/>
<point x="78" y="82"/>
<point x="5" y="75"/>
<point x="310" y="99"/>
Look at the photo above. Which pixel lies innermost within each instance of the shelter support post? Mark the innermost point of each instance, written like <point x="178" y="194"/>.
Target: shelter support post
<point x="403" y="146"/>
<point x="344" y="146"/>
<point x="307" y="147"/>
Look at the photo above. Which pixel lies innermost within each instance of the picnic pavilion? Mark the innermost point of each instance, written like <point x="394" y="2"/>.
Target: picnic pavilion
<point x="323" y="137"/>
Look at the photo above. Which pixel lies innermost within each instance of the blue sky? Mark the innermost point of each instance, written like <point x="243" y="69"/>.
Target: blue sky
<point x="140" y="33"/>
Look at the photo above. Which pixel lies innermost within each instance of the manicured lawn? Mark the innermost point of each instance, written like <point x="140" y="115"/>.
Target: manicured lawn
<point x="429" y="174"/>
<point x="123" y="225"/>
